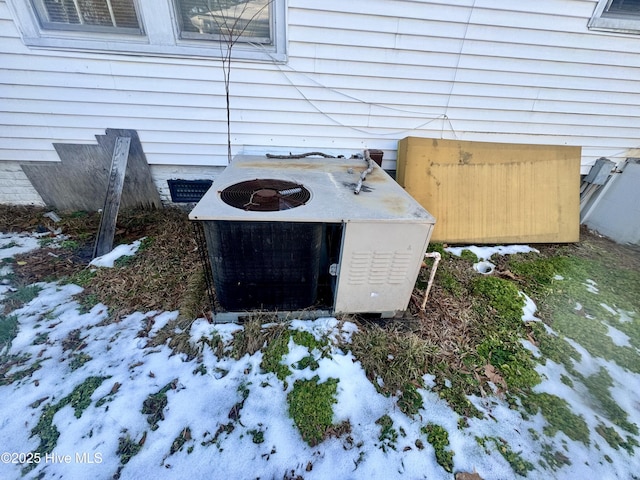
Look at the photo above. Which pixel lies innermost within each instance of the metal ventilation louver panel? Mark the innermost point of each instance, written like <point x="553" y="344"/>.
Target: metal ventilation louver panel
<point x="265" y="195"/>
<point x="188" y="191"/>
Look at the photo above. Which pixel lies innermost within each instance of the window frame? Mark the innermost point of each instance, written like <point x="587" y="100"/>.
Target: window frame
<point x="160" y="35"/>
<point x="620" y="23"/>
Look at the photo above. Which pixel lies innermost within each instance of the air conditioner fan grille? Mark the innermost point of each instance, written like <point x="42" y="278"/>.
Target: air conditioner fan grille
<point x="265" y="195"/>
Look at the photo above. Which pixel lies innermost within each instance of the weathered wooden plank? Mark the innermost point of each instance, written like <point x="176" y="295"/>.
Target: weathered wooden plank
<point x="79" y="180"/>
<point x="139" y="189"/>
<point x="484" y="192"/>
<point x="104" y="241"/>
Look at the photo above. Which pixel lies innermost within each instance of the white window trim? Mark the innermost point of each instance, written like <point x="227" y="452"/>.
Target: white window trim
<point x="612" y="24"/>
<point x="160" y="37"/>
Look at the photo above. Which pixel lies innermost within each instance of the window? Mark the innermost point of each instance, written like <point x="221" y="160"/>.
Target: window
<point x="88" y="15"/>
<point x="617" y="16"/>
<point x="185" y="28"/>
<point x="224" y="19"/>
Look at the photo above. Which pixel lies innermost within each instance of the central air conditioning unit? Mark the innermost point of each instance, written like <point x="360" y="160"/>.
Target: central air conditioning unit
<point x="290" y="235"/>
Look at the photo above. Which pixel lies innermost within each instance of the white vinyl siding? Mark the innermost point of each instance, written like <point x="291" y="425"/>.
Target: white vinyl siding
<point x="363" y="73"/>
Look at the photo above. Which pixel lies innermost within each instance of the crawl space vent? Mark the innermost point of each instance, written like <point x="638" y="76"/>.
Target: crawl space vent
<point x="265" y="195"/>
<point x="188" y="191"/>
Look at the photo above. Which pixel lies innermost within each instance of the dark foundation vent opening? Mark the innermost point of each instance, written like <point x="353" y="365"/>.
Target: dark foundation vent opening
<point x="265" y="195"/>
<point x="188" y="191"/>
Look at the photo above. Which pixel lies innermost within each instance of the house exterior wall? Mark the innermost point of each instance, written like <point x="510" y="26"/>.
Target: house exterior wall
<point x="359" y="74"/>
<point x="15" y="187"/>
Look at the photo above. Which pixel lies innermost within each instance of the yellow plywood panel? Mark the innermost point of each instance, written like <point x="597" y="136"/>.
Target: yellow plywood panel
<point x="494" y="192"/>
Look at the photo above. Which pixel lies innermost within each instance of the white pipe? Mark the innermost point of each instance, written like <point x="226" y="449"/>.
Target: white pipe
<point x="436" y="256"/>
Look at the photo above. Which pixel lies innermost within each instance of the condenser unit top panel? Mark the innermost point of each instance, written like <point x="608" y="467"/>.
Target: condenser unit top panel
<point x="331" y="182"/>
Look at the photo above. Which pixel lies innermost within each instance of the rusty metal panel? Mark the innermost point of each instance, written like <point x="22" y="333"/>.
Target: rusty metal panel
<point x="494" y="192"/>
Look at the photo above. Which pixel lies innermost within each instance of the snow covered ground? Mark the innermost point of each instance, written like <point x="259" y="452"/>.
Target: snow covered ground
<point x="227" y="419"/>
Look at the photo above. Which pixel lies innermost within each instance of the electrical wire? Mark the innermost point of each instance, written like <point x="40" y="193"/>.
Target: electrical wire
<point x="432" y="117"/>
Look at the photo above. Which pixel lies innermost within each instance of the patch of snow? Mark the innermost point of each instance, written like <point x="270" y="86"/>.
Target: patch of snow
<point x="591" y="286"/>
<point x="529" y="309"/>
<point x="619" y="338"/>
<point x="626" y="316"/>
<point x="160" y="320"/>
<point x="609" y="309"/>
<point x="12" y="244"/>
<point x="108" y="259"/>
<point x="485" y="253"/>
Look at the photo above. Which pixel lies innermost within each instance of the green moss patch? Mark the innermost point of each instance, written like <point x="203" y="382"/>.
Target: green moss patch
<point x="591" y="333"/>
<point x="79" y="399"/>
<point x="615" y="440"/>
<point x="554" y="347"/>
<point x="575" y="311"/>
<point x="410" y="401"/>
<point x="272" y="357"/>
<point x="79" y="360"/>
<point x="310" y="407"/>
<point x="558" y="415"/>
<point x="278" y="346"/>
<point x="8" y="330"/>
<point x="502" y="295"/>
<point x="438" y="437"/>
<point x="388" y="436"/>
<point x="180" y="440"/>
<point x="599" y="386"/>
<point x="154" y="405"/>
<point x="518" y="464"/>
<point x="129" y="448"/>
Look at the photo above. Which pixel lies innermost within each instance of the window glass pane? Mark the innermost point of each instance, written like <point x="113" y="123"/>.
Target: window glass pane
<point x="125" y="14"/>
<point x="247" y="20"/>
<point x="63" y="11"/>
<point x="624" y="7"/>
<point x="100" y="13"/>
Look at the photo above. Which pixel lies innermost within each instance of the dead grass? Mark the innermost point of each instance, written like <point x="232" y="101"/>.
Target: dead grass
<point x="166" y="274"/>
<point x="392" y="357"/>
<point x="255" y="334"/>
<point x="176" y="335"/>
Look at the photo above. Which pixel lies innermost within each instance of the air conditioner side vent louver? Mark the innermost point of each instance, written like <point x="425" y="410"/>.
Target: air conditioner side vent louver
<point x="378" y="267"/>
